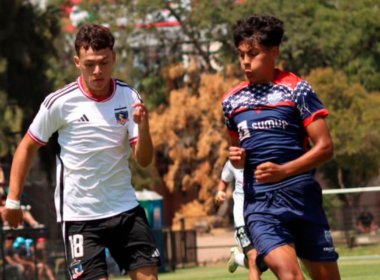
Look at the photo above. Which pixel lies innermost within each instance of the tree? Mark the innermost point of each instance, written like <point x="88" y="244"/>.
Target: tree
<point x="26" y="40"/>
<point x="353" y="125"/>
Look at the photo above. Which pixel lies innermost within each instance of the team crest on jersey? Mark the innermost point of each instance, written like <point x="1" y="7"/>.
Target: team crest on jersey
<point x="121" y="115"/>
<point x="76" y="269"/>
<point x="274" y="97"/>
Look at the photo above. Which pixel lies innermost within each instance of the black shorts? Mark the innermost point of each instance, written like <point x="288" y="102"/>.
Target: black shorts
<point x="242" y="239"/>
<point x="128" y="237"/>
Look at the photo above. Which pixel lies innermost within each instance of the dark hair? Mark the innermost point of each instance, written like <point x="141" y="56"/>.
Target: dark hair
<point x="94" y="36"/>
<point x="266" y="30"/>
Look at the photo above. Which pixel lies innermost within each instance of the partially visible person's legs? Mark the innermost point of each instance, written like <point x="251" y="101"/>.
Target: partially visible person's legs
<point x="254" y="271"/>
<point x="283" y="263"/>
<point x="322" y="270"/>
<point x="132" y="245"/>
<point x="85" y="248"/>
<point x="144" y="273"/>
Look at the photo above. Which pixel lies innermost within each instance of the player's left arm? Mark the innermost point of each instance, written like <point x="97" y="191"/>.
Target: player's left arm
<point x="322" y="152"/>
<point x="143" y="148"/>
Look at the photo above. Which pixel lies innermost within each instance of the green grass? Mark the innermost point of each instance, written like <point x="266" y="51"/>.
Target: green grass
<point x="360" y="270"/>
<point x="350" y="270"/>
<point x="364" y="250"/>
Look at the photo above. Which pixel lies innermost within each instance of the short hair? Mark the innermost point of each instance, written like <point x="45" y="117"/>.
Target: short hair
<point x="94" y="36"/>
<point x="266" y="30"/>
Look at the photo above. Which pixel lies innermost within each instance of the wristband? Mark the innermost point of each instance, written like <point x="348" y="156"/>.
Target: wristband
<point x="12" y="204"/>
<point x="220" y="192"/>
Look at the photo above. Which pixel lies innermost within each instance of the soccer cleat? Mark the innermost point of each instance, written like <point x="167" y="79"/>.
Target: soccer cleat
<point x="232" y="265"/>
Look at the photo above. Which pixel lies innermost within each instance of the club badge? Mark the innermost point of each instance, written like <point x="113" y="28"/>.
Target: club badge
<point x="76" y="269"/>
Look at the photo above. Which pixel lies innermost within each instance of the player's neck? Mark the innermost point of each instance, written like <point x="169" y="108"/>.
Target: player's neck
<point x="271" y="77"/>
<point x="103" y="93"/>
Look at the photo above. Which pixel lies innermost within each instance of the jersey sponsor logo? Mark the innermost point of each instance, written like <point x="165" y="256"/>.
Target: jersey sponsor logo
<point x="121" y="115"/>
<point x="268" y="124"/>
<point x="243" y="130"/>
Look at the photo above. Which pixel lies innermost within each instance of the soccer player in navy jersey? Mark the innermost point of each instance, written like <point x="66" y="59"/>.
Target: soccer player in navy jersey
<point x="270" y="119"/>
<point x="100" y="121"/>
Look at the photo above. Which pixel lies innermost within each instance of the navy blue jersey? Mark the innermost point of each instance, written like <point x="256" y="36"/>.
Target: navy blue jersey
<point x="270" y="121"/>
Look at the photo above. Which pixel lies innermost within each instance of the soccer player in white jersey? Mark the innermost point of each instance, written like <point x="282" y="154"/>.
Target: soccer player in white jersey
<point x="246" y="259"/>
<point x="100" y="121"/>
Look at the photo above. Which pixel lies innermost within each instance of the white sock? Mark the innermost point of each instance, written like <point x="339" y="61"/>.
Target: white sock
<point x="240" y="259"/>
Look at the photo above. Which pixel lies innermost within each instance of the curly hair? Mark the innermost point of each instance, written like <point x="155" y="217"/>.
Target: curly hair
<point x="266" y="30"/>
<point x="94" y="36"/>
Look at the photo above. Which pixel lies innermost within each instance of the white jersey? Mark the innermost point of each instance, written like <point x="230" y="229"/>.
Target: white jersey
<point x="230" y="173"/>
<point x="95" y="136"/>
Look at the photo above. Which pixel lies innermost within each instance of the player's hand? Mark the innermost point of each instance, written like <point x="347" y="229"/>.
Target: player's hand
<point x="13" y="216"/>
<point x="237" y="157"/>
<point x="140" y="115"/>
<point x="269" y="172"/>
<point x="220" y="197"/>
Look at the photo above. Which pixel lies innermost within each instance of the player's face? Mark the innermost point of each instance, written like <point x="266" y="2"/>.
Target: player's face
<point x="96" y="69"/>
<point x="258" y="61"/>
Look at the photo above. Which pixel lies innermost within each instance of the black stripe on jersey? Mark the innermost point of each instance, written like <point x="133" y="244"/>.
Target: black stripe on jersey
<point x="122" y="108"/>
<point x="62" y="94"/>
<point x="61" y="188"/>
<point x="124" y="84"/>
<point x="85" y="117"/>
<point x="82" y="119"/>
<point x="46" y="102"/>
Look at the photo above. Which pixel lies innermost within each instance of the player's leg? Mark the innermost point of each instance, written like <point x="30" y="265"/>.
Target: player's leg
<point x="133" y="247"/>
<point x="284" y="263"/>
<point x="322" y="270"/>
<point x="314" y="244"/>
<point x="269" y="219"/>
<point x="237" y="258"/>
<point x="254" y="271"/>
<point x="144" y="273"/>
<point x="85" y="249"/>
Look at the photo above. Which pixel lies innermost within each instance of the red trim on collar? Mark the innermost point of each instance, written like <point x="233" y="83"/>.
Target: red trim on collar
<point x="93" y="97"/>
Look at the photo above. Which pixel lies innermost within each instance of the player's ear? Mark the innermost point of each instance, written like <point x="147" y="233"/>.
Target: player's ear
<point x="76" y="61"/>
<point x="275" y="52"/>
<point x="113" y="57"/>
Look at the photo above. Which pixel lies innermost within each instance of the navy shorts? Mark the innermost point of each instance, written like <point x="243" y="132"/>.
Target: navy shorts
<point x="290" y="215"/>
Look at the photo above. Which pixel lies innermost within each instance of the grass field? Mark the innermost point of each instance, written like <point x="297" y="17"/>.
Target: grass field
<point x="350" y="267"/>
<point x="359" y="270"/>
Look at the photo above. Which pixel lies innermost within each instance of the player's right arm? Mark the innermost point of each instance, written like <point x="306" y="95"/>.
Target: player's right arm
<point x="226" y="178"/>
<point x="236" y="154"/>
<point x="220" y="196"/>
<point x="21" y="164"/>
<point x="46" y="122"/>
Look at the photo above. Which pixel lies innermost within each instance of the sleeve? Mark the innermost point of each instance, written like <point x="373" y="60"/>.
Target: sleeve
<point x="231" y="126"/>
<point x="46" y="122"/>
<point x="227" y="173"/>
<point x="308" y="103"/>
<point x="133" y="129"/>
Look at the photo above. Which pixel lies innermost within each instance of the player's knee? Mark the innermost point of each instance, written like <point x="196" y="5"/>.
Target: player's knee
<point x="251" y="261"/>
<point x="288" y="273"/>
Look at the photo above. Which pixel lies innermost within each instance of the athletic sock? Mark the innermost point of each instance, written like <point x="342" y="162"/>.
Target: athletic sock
<point x="239" y="259"/>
